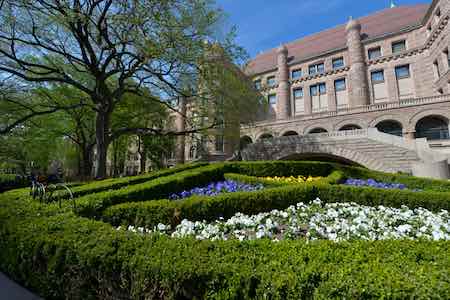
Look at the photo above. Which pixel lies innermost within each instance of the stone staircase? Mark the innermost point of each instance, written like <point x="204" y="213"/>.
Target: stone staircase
<point x="367" y="147"/>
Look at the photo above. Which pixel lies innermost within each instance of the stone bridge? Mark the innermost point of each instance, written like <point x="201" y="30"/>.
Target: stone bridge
<point x="365" y="147"/>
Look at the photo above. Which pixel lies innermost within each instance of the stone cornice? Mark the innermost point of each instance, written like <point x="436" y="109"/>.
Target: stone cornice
<point x="387" y="58"/>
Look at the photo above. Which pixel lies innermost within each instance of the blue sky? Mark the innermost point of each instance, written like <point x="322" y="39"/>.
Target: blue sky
<point x="264" y="24"/>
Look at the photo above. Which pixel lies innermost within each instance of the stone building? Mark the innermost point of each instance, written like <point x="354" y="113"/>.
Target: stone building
<point x="389" y="71"/>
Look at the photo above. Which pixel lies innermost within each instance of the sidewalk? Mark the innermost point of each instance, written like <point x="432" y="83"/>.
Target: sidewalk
<point x="9" y="290"/>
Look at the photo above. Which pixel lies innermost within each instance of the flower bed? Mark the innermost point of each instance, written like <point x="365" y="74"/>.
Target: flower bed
<point x="331" y="221"/>
<point x="216" y="188"/>
<point x="293" y="179"/>
<point x="374" y="183"/>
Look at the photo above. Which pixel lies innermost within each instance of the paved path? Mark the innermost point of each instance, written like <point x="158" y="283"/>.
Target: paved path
<point x="9" y="290"/>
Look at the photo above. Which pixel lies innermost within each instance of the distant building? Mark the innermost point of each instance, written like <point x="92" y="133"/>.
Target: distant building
<point x="389" y="70"/>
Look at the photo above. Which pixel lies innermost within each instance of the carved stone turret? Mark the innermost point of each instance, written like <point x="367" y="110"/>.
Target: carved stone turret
<point x="359" y="90"/>
<point x="283" y="95"/>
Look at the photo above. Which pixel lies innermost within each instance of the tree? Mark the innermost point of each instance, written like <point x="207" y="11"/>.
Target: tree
<point x="107" y="49"/>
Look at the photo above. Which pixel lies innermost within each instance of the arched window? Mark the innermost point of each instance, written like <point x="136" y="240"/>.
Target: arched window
<point x="317" y="130"/>
<point x="290" y="133"/>
<point x="390" y="127"/>
<point x="244" y="142"/>
<point x="432" y="128"/>
<point x="350" y="127"/>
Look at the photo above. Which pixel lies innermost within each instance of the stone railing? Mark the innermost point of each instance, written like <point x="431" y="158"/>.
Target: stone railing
<point x="362" y="109"/>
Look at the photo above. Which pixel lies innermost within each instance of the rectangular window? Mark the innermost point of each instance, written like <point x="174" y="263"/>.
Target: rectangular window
<point x="374" y="53"/>
<point x="398" y="47"/>
<point x="298" y="93"/>
<point x="257" y="84"/>
<point x="299" y="101"/>
<point x="377" y="76"/>
<point x="319" y="98"/>
<point x="296" y="74"/>
<point x="271" y="81"/>
<point x="318" y="89"/>
<point x="402" y="72"/>
<point x="272" y="99"/>
<point x="322" y="88"/>
<point x="339" y="85"/>
<point x="338" y="63"/>
<point x="316" y="69"/>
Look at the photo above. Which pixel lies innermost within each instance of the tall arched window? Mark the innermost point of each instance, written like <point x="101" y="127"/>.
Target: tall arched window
<point x="390" y="127"/>
<point x="432" y="128"/>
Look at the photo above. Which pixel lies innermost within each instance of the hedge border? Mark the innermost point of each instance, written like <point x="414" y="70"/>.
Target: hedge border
<point x="61" y="255"/>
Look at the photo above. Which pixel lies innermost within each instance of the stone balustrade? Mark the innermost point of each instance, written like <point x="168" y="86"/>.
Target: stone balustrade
<point x="363" y="109"/>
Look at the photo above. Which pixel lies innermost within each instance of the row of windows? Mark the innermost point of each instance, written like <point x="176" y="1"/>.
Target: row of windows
<point x="397" y="47"/>
<point x="400" y="72"/>
<point x="315" y="90"/>
<point x="318" y="68"/>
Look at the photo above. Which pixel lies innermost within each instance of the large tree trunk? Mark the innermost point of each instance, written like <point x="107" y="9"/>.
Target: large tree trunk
<point x="86" y="162"/>
<point x="102" y="139"/>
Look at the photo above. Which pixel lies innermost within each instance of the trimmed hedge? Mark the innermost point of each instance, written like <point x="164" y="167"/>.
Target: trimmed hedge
<point x="197" y="208"/>
<point x="67" y="257"/>
<point x="92" y="205"/>
<point x="11" y="181"/>
<point x="282" y="168"/>
<point x="306" y="168"/>
<point x="59" y="254"/>
<point x="117" y="183"/>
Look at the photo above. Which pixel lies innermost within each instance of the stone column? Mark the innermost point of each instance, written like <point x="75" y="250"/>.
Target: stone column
<point x="180" y="124"/>
<point x="359" y="93"/>
<point x="283" y="90"/>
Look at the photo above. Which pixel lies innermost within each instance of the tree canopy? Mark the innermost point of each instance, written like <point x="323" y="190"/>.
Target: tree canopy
<point x="159" y="50"/>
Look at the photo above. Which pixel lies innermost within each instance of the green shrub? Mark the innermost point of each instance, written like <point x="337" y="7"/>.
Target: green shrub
<point x="12" y="181"/>
<point x="282" y="168"/>
<point x="62" y="256"/>
<point x="92" y="205"/>
<point x="225" y="205"/>
<point x="117" y="183"/>
<point x="199" y="208"/>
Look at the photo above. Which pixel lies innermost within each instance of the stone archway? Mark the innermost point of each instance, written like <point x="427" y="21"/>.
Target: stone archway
<point x="350" y="127"/>
<point x="432" y="128"/>
<point x="290" y="133"/>
<point x="244" y="142"/>
<point x="265" y="136"/>
<point x="275" y="151"/>
<point x="317" y="130"/>
<point x="391" y="127"/>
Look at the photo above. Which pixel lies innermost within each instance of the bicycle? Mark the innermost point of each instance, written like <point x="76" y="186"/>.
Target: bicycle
<point x="47" y="189"/>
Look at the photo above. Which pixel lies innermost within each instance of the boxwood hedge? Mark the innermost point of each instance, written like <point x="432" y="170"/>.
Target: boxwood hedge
<point x="62" y="255"/>
<point x="12" y="181"/>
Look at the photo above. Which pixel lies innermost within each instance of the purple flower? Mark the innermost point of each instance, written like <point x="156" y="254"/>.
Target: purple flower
<point x="213" y="189"/>
<point x="375" y="184"/>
